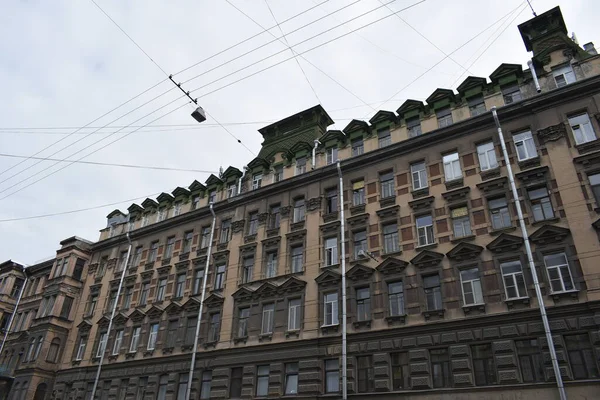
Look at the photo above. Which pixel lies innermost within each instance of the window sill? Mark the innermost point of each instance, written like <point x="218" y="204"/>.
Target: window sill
<point x="75" y="362"/>
<point x="517" y="300"/>
<point x="420" y="192"/>
<point x="332" y="266"/>
<point x="329" y="217"/>
<point x="184" y="256"/>
<point x="130" y="355"/>
<point x="265" y="337"/>
<point x="272" y="232"/>
<point x="454" y="183"/>
<point x="545" y="221"/>
<point x="362" y="324"/>
<point x="325" y="329"/>
<point x="567" y="293"/>
<point x="392" y="253"/>
<point x="529" y="163"/>
<point x="149" y="353"/>
<point x="201" y="252"/>
<point x="357" y="209"/>
<point x="165" y="261"/>
<point x="149" y="265"/>
<point x="296" y="226"/>
<point x="387" y="201"/>
<point x="292" y="333"/>
<point x="461" y="239"/>
<point x="426" y="246"/>
<point x="222" y="246"/>
<point x="250" y="238"/>
<point x="168" y="350"/>
<point x="468" y="309"/>
<point x="489" y="173"/>
<point x="212" y="344"/>
<point x="588" y="146"/>
<point x="242" y="339"/>
<point x="496" y="232"/>
<point x="396" y="319"/>
<point x="113" y="357"/>
<point x="433" y="313"/>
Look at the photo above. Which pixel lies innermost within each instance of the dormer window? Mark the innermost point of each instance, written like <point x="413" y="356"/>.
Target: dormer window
<point x="414" y="126"/>
<point x="563" y="76"/>
<point x="195" y="201"/>
<point x="256" y="181"/>
<point x="161" y="215"/>
<point x="444" y="117"/>
<point x="212" y="196"/>
<point x="177" y="209"/>
<point x="300" y="165"/>
<point x="231" y="190"/>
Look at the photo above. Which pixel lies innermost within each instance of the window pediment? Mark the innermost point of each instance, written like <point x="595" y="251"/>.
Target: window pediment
<point x="494" y="186"/>
<point x="292" y="285"/>
<point x="358" y="220"/>
<point x="95" y="289"/>
<point x="533" y="175"/>
<point x="266" y="290"/>
<point x="243" y="294"/>
<point x="552" y="133"/>
<point x="137" y="316"/>
<point x="154" y="312"/>
<point x="421" y="204"/>
<point x="84" y="326"/>
<point x="455" y="195"/>
<point x="120" y="319"/>
<point x="547" y="234"/>
<point x="238" y="226"/>
<point x="330" y="227"/>
<point x="427" y="258"/>
<point x="505" y="242"/>
<point x="103" y="322"/>
<point x="296" y="236"/>
<point x="173" y="308"/>
<point x="388" y="212"/>
<point x="392" y="266"/>
<point x="191" y="305"/>
<point x="328" y="278"/>
<point x="147" y="275"/>
<point x="464" y="251"/>
<point x="382" y="115"/>
<point x="359" y="272"/>
<point x="214" y="300"/>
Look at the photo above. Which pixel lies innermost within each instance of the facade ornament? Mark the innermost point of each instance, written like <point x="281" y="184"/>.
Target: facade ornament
<point x="262" y="218"/>
<point x="285" y="211"/>
<point x="552" y="133"/>
<point x="238" y="226"/>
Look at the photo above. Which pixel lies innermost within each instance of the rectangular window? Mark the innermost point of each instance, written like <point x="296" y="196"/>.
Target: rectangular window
<point x="413" y="125"/>
<point x="122" y="263"/>
<point x="253" y="223"/>
<point x="187" y="242"/>
<point x="152" y="336"/>
<point x="215" y="327"/>
<point x="514" y="282"/>
<point x="499" y="213"/>
<point x="331" y="309"/>
<point x="331" y="155"/>
<point x="256" y="181"/>
<point x="118" y="342"/>
<point x="384" y="137"/>
<point x="433" y="292"/>
<point x="65" y="311"/>
<point x="400" y="371"/>
<point x="145" y="220"/>
<point x="262" y="380"/>
<point x="274" y="217"/>
<point x="219" y="276"/>
<point x="332" y="376"/>
<point x="358" y="193"/>
<point x="278" y="173"/>
<point x="205" y="237"/>
<point x="144" y="294"/>
<point x="300" y="165"/>
<point x="540" y="204"/>
<point x="271" y="266"/>
<point x="182" y="385"/>
<point x="476" y="105"/>
<point x="460" y="222"/>
<point x="101" y="267"/>
<point x="268" y="312"/>
<point x="471" y="286"/>
<point x="172" y="329"/>
<point x="487" y="156"/>
<point x="425" y="230"/>
<point x="440" y="368"/>
<point x="180" y="285"/>
<point x="386" y="180"/>
<point x="359" y="244"/>
<point x="297" y="258"/>
<point x="65" y="265"/>
<point x="137" y="256"/>
<point x="161" y="289"/>
<point x="212" y="196"/>
<point x="235" y="385"/>
<point x="582" y="128"/>
<point x="299" y="210"/>
<point x="418" y="173"/>
<point x="452" y="167"/>
<point x="331" y="251"/>
<point x="391" y="244"/>
<point x="231" y="190"/>
<point x="581" y="356"/>
<point x="135" y="339"/>
<point x="243" y="316"/>
<point x="530" y="360"/>
<point x="511" y="94"/>
<point x="331" y="201"/>
<point x="161" y="215"/>
<point x="363" y="304"/>
<point x="206" y="385"/>
<point x="128" y="294"/>
<point x="291" y="378"/>
<point x="247" y="269"/>
<point x="198" y="278"/>
<point x="357" y="147"/>
<point x="563" y="76"/>
<point x="81" y="348"/>
<point x="190" y="330"/>
<point x="595" y="186"/>
<point x="169" y="248"/>
<point x="225" y="231"/>
<point x="176" y="209"/>
<point x="444" y="117"/>
<point x="396" y="298"/>
<point x="163" y="381"/>
<point x="366" y="379"/>
<point x="525" y="145"/>
<point x="559" y="273"/>
<point x="195" y="201"/>
<point x="153" y="251"/>
<point x="483" y="365"/>
<point x="294" y="314"/>
<point x="101" y="344"/>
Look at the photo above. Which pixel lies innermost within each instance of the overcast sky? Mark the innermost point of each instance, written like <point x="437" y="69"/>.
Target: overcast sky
<point x="63" y="64"/>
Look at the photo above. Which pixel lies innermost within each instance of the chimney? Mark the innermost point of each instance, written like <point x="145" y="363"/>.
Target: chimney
<point x="590" y="49"/>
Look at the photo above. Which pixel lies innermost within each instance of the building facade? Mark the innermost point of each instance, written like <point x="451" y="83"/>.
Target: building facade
<point x="440" y="296"/>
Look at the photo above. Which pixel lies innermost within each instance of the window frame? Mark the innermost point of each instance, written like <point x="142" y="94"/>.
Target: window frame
<point x="503" y="212"/>
<point x="291" y="379"/>
<point x="560" y="273"/>
<point x="421" y="174"/>
<point x="332" y="375"/>
<point x="357" y="146"/>
<point x="427" y="229"/>
<point x="330" y="154"/>
<point x="487" y="157"/>
<point x="296" y="316"/>
<point x="452" y="166"/>
<point x="566" y="73"/>
<point x="330" y="249"/>
<point x="525" y="138"/>
<point x="540" y="204"/>
<point x="462" y="221"/>
<point x="257" y="181"/>
<point x="435" y="290"/>
<point x="514" y="279"/>
<point x="391" y="239"/>
<point x="299" y="211"/>
<point x="585" y="128"/>
<point x="472" y="282"/>
<point x="384" y="137"/>
<point x="363" y="304"/>
<point x="386" y="184"/>
<point x="267" y="323"/>
<point x="334" y="312"/>
<point x="263" y="373"/>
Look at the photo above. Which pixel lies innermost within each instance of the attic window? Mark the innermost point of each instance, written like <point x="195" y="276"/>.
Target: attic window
<point x="414" y="126"/>
<point x="444" y="117"/>
<point x="563" y="76"/>
<point x="300" y="165"/>
<point x="476" y="105"/>
<point x="511" y="94"/>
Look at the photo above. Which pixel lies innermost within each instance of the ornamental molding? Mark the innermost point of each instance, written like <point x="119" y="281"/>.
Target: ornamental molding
<point x="552" y="133"/>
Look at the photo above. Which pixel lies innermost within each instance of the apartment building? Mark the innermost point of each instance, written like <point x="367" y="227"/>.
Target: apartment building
<point x="440" y="297"/>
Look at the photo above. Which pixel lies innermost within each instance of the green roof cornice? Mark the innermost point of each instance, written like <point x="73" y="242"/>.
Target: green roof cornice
<point x="505" y="71"/>
<point x="258" y="163"/>
<point x="382" y="116"/>
<point x="440" y="98"/>
<point x="299" y="149"/>
<point x="149" y="204"/>
<point x="357" y="126"/>
<point x="114" y="212"/>
<point x="164" y="198"/>
<point x="213" y="180"/>
<point x="197" y="187"/>
<point x="331" y="136"/>
<point x="231" y="173"/>
<point x="180" y="192"/>
<point x="471" y="86"/>
<point x="410" y="106"/>
<point x="135" y="209"/>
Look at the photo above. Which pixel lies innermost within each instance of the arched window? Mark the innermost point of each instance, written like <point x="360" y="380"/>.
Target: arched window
<point x="53" y="350"/>
<point x="40" y="392"/>
<point x="16" y="390"/>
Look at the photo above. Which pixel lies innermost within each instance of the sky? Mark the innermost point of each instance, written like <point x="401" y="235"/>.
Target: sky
<point x="64" y="65"/>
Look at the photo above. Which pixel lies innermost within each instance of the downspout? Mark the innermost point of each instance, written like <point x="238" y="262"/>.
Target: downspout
<point x="536" y="283"/>
<point x="240" y="181"/>
<point x="343" y="266"/>
<point x="534" y="75"/>
<point x="12" y="317"/>
<point x="314" y="153"/>
<point x="112" y="316"/>
<point x="188" y="390"/>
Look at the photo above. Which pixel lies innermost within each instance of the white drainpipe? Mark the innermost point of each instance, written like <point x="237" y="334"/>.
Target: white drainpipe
<point x="241" y="179"/>
<point x="534" y="75"/>
<point x="343" y="267"/>
<point x="314" y="153"/>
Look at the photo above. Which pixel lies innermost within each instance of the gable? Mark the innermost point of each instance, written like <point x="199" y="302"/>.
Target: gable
<point x="505" y="242"/>
<point x="427" y="258"/>
<point x="440" y="98"/>
<point x="137" y="316"/>
<point x="328" y="277"/>
<point x="292" y="285"/>
<point x="213" y="180"/>
<point x="232" y="172"/>
<point x="191" y="304"/>
<point x="213" y="300"/>
<point x="464" y="251"/>
<point x="356" y="125"/>
<point x="179" y="191"/>
<point x="154" y="312"/>
<point x="547" y="234"/>
<point x="267" y="289"/>
<point x="103" y="322"/>
<point x="381" y="116"/>
<point x="391" y="266"/>
<point x="506" y="70"/>
<point x="84" y="326"/>
<point x="134" y="209"/>
<point x="258" y="163"/>
<point x="242" y="293"/>
<point x="120" y="319"/>
<point x="359" y="272"/>
<point x="331" y="135"/>
<point x="173" y="308"/>
<point x="149" y="203"/>
<point x="410" y="105"/>
<point x="164" y="198"/>
<point x="115" y="212"/>
<point x="196" y="186"/>
<point x="470" y="83"/>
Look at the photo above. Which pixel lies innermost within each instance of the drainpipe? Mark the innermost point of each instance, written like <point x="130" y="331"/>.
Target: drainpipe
<point x="314" y="153"/>
<point x="112" y="316"/>
<point x="536" y="283"/>
<point x="12" y="317"/>
<point x="240" y="180"/>
<point x="188" y="390"/>
<point x="534" y="75"/>
<point x="343" y="266"/>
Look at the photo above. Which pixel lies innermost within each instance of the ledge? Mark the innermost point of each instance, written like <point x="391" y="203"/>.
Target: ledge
<point x="148" y="353"/>
<point x="184" y="256"/>
<point x="201" y="252"/>
<point x="468" y="238"/>
<point x="416" y="194"/>
<point x="561" y="295"/>
<point x="329" y="217"/>
<point x="421" y="204"/>
<point x="113" y="357"/>
<point x="529" y="163"/>
<point x="250" y="238"/>
<point x="396" y="319"/>
<point x="454" y="183"/>
<point x="130" y="355"/>
<point x="517" y="300"/>
<point x="75" y="362"/>
<point x="242" y="339"/>
<point x="148" y="266"/>
<point x="588" y="146"/>
<point x="546" y="221"/>
<point x="392" y="253"/>
<point x="358" y="209"/>
<point x="489" y="173"/>
<point x="165" y="261"/>
<point x="167" y="350"/>
<point x="496" y="232"/>
<point x="265" y="337"/>
<point x="387" y="201"/>
<point x="467" y="309"/>
<point x="292" y="333"/>
<point x="426" y="246"/>
<point x="362" y="324"/>
<point x="222" y="246"/>
<point x="325" y="329"/>
<point x="296" y="226"/>
<point x="433" y="313"/>
<point x="273" y="232"/>
<point x="212" y="344"/>
<point x="187" y="347"/>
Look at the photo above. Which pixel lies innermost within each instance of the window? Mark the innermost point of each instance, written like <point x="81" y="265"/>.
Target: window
<point x="81" y="348"/>
<point x="332" y="376"/>
<point x="53" y="350"/>
<point x="400" y="371"/>
<point x="231" y="190"/>
<point x="182" y="386"/>
<point x="122" y="263"/>
<point x="198" y="278"/>
<point x="440" y="368"/>
<point x="525" y="146"/>
<point x="331" y="309"/>
<point x="152" y="336"/>
<point x="235" y="390"/>
<point x="461" y="224"/>
<point x="262" y="380"/>
<point x="153" y="251"/>
<point x="582" y="128"/>
<point x="366" y="379"/>
<point x="145" y="220"/>
<point x="169" y="247"/>
<point x="384" y="137"/>
<point x="298" y="210"/>
<point x="195" y="201"/>
<point x="357" y="147"/>
<point x="419" y="175"/>
<point x="190" y="330"/>
<point x="331" y="155"/>
<point x="161" y="289"/>
<point x="595" y="186"/>
<point x="476" y="105"/>
<point x="29" y="355"/>
<point x="176" y="209"/>
<point x="101" y="344"/>
<point x="581" y="356"/>
<point x="205" y="237"/>
<point x="137" y="256"/>
<point x="141" y="388"/>
<point x="205" y="385"/>
<point x="225" y="230"/>
<point x="212" y="196"/>
<point x="135" y="339"/>
<point x="256" y="181"/>
<point x="219" y="276"/>
<point x="187" y="242"/>
<point x="331" y="251"/>
<point x="483" y="365"/>
<point x="102" y="267"/>
<point x="118" y="342"/>
<point x="161" y="215"/>
<point x="530" y="360"/>
<point x="360" y="244"/>
<point x="253" y="225"/>
<point x="363" y="304"/>
<point x="271" y="267"/>
<point x="38" y="347"/>
<point x="294" y="314"/>
<point x="444" y="117"/>
<point x="291" y="378"/>
<point x="414" y="126"/>
<point x="65" y="265"/>
<point x="243" y="316"/>
<point x="499" y="213"/>
<point x="452" y="167"/>
<point x="471" y="286"/>
<point x="65" y="311"/>
<point x="215" y="327"/>
<point x="331" y="201"/>
<point x="358" y="193"/>
<point x="511" y="94"/>
<point x="540" y="204"/>
<point x="162" y="387"/>
<point x="559" y="273"/>
<point x="247" y="268"/>
<point x="396" y="298"/>
<point x="172" y="329"/>
<point x="300" y="165"/>
<point x="49" y="308"/>
<point x="144" y="294"/>
<point x="297" y="258"/>
<point x="386" y="180"/>
<point x="563" y="76"/>
<point x="278" y="173"/>
<point x="514" y="282"/>
<point x="433" y="292"/>
<point x="425" y="230"/>
<point x="180" y="285"/>
<point x="274" y="217"/>
<point x="390" y="238"/>
<point x="268" y="311"/>
<point x="487" y="156"/>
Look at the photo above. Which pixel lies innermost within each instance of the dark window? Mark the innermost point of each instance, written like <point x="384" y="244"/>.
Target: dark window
<point x="332" y="155"/>
<point x="219" y="276"/>
<point x="77" y="271"/>
<point x="205" y="237"/>
<point x="366" y="381"/>
<point x="195" y="201"/>
<point x="400" y="371"/>
<point x="540" y="204"/>
<point x="291" y="378"/>
<point x="299" y="210"/>
<point x="243" y="316"/>
<point x="16" y="289"/>
<point x="225" y="230"/>
<point x="180" y="285"/>
<point x="360" y="244"/>
<point x="391" y="243"/>
<point x="414" y="126"/>
<point x="444" y="116"/>
<point x="386" y="180"/>
<point x="127" y="297"/>
<point x="499" y="212"/>
<point x="144" y="294"/>
<point x="476" y="105"/>
<point x="137" y="256"/>
<point x="262" y="380"/>
<point x="358" y="193"/>
<point x="433" y="292"/>
<point x="511" y="93"/>
<point x="363" y="304"/>
<point x="190" y="330"/>
<point x="271" y="264"/>
<point x="357" y="147"/>
<point x="169" y="247"/>
<point x="102" y="267"/>
<point x="278" y="173"/>
<point x="141" y="388"/>
<point x="53" y="350"/>
<point x="268" y="312"/>
<point x="66" y="307"/>
<point x="235" y="386"/>
<point x="247" y="269"/>
<point x="396" y="298"/>
<point x="331" y="201"/>
<point x="300" y="165"/>
<point x="182" y="386"/>
<point x="160" y="291"/>
<point x="153" y="251"/>
<point x="595" y="185"/>
<point x="530" y="360"/>
<point x="440" y="368"/>
<point x="172" y="329"/>
<point x="461" y="224"/>
<point x="215" y="327"/>
<point x="206" y="385"/>
<point x="162" y="387"/>
<point x="274" y="217"/>
<point x="581" y="356"/>
<point x="198" y="278"/>
<point x="253" y="223"/>
<point x="483" y="365"/>
<point x="297" y="258"/>
<point x="384" y="137"/>
<point x="187" y="242"/>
